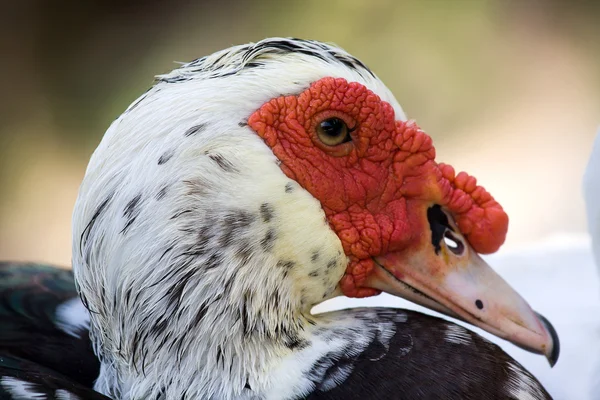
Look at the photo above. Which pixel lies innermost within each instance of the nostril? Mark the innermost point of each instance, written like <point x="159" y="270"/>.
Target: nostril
<point x="479" y="304"/>
<point x="451" y="243"/>
<point x="455" y="245"/>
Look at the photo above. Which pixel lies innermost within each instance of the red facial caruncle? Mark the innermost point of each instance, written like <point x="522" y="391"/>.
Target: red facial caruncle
<point x="376" y="188"/>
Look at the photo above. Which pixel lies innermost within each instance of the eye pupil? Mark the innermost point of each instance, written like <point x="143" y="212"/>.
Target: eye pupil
<point x="332" y="126"/>
<point x="333" y="131"/>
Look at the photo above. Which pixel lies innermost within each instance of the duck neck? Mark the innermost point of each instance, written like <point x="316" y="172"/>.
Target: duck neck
<point x="221" y="350"/>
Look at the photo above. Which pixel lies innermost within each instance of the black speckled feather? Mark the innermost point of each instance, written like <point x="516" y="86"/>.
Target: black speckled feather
<point x="32" y="346"/>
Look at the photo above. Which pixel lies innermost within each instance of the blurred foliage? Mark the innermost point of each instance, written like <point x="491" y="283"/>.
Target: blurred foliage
<point x="70" y="67"/>
<point x="82" y="62"/>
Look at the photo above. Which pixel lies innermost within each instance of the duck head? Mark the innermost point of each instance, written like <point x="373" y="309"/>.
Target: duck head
<point x="250" y="185"/>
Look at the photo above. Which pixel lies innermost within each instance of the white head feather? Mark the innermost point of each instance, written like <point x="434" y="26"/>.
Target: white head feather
<point x="193" y="251"/>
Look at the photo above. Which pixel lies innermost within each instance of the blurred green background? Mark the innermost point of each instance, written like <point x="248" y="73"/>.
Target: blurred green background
<point x="509" y="90"/>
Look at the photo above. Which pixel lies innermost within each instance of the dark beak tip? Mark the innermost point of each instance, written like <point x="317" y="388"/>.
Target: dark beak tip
<point x="554" y="354"/>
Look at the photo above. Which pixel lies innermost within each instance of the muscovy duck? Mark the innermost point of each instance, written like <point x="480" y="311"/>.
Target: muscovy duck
<point x="240" y="191"/>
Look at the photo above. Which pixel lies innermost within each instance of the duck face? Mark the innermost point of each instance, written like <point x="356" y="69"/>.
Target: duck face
<point x="408" y="225"/>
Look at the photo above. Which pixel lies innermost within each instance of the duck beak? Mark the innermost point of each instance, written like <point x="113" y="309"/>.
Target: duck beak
<point x="453" y="279"/>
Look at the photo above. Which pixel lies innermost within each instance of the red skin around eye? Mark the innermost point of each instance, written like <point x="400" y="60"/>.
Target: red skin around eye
<point x="376" y="189"/>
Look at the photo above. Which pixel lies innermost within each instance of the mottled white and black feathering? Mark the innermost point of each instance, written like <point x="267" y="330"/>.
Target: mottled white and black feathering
<point x="241" y="58"/>
<point x="200" y="261"/>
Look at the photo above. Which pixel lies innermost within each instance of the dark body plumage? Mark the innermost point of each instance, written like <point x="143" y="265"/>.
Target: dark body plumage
<point x="421" y="362"/>
<point x="32" y="347"/>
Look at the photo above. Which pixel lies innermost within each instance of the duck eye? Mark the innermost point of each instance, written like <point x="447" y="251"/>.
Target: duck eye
<point x="333" y="131"/>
